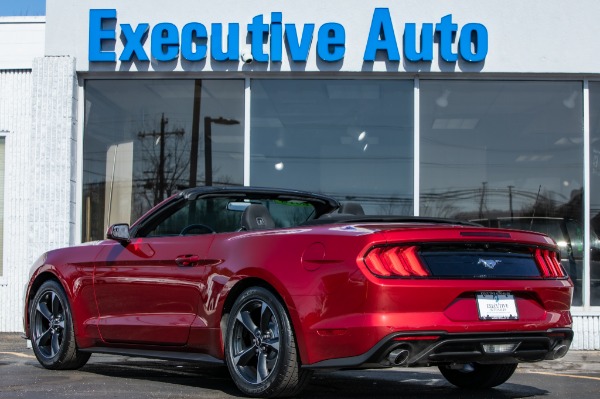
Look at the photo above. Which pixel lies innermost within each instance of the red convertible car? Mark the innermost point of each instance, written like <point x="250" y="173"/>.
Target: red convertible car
<point x="277" y="283"/>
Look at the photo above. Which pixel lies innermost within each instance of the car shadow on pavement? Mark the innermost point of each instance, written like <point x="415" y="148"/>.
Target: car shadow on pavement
<point x="389" y="383"/>
<point x="185" y="374"/>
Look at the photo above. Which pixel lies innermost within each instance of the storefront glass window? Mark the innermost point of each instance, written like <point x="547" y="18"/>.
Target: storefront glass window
<point x="595" y="192"/>
<point x="144" y="140"/>
<point x="506" y="154"/>
<point x="352" y="139"/>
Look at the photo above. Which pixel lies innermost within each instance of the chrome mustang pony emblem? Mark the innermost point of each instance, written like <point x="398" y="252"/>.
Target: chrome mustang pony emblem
<point x="488" y="263"/>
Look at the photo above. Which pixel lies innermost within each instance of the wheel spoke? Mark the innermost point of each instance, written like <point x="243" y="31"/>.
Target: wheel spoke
<point x="254" y="340"/>
<point x="56" y="305"/>
<point x="42" y="309"/>
<point x="44" y="337"/>
<point x="55" y="346"/>
<point x="262" y="371"/>
<point x="246" y="320"/>
<point x="265" y="318"/>
<point x="243" y="358"/>
<point x="273" y="343"/>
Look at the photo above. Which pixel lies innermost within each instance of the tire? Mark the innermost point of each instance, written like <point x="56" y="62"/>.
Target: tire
<point x="481" y="376"/>
<point x="260" y="348"/>
<point x="51" y="329"/>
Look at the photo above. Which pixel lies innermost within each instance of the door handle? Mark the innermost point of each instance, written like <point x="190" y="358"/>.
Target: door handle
<point x="187" y="260"/>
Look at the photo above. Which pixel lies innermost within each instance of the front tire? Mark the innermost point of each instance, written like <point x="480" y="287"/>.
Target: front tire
<point x="260" y="348"/>
<point x="479" y="376"/>
<point x="51" y="329"/>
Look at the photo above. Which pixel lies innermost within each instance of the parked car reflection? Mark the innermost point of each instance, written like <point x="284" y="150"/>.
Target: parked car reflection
<point x="568" y="234"/>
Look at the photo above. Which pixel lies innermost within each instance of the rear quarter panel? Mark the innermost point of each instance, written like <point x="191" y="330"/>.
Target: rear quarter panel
<point x="339" y="309"/>
<point x="313" y="270"/>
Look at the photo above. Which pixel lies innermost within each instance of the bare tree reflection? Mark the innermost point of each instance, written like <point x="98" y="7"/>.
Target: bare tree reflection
<point x="484" y="202"/>
<point x="165" y="163"/>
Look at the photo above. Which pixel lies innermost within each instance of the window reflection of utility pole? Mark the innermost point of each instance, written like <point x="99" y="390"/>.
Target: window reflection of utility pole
<point x="195" y="143"/>
<point x="160" y="185"/>
<point x="195" y="133"/>
<point x="510" y="202"/>
<point x="208" y="164"/>
<point x="482" y="200"/>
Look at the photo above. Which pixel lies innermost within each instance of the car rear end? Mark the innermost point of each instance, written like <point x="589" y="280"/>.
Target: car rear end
<point x="454" y="295"/>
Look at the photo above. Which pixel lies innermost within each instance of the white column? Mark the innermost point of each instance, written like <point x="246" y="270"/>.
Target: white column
<point x="53" y="161"/>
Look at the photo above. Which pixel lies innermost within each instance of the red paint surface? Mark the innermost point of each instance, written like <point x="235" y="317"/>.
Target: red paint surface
<point x="137" y="294"/>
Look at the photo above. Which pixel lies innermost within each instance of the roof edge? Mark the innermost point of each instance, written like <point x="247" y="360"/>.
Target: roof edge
<point x="38" y="19"/>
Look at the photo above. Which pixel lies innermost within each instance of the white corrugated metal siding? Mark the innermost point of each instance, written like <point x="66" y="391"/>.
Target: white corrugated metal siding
<point x="38" y="113"/>
<point x="587" y="333"/>
<point x="15" y="122"/>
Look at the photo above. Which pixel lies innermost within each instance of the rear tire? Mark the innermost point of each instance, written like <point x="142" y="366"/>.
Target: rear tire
<point x="482" y="375"/>
<point x="51" y="329"/>
<point x="260" y="348"/>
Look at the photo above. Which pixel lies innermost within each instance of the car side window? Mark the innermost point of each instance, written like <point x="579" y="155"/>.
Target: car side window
<point x="194" y="217"/>
<point x="217" y="215"/>
<point x="174" y="223"/>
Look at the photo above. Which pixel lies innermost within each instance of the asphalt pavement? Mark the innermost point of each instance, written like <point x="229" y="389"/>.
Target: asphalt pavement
<point x="574" y="360"/>
<point x="106" y="376"/>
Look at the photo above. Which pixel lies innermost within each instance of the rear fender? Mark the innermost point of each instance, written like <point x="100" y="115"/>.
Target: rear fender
<point x="250" y="277"/>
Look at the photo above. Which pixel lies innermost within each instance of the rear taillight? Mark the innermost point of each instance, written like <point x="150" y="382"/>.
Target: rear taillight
<point x="395" y="261"/>
<point x="548" y="263"/>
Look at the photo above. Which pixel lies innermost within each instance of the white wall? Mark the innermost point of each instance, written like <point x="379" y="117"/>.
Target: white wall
<point x="15" y="121"/>
<point x="21" y="40"/>
<point x="38" y="117"/>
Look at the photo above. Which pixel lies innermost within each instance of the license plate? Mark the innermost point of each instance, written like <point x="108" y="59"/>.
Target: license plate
<point x="497" y="306"/>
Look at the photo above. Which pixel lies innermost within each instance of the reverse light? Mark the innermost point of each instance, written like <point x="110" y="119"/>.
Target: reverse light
<point x="395" y="261"/>
<point x="500" y="348"/>
<point x="548" y="263"/>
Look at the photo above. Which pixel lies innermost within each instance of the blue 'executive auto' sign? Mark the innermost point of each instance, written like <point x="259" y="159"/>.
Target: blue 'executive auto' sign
<point x="168" y="42"/>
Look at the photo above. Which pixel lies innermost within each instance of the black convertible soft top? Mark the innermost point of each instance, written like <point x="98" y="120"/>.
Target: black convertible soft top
<point x="322" y="203"/>
<point x="339" y="218"/>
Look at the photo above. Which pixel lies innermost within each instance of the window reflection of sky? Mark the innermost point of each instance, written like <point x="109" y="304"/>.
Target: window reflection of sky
<point x="351" y="139"/>
<point x="500" y="146"/>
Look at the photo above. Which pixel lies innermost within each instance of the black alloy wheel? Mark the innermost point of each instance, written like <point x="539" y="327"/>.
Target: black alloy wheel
<point x="51" y="329"/>
<point x="260" y="347"/>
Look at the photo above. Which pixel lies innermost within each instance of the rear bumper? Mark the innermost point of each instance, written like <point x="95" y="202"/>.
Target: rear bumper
<point x="435" y="347"/>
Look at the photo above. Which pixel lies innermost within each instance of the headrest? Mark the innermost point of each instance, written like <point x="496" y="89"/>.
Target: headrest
<point x="351" y="208"/>
<point x="257" y="217"/>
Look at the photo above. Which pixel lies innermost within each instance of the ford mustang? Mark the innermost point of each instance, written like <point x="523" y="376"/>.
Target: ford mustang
<point x="275" y="284"/>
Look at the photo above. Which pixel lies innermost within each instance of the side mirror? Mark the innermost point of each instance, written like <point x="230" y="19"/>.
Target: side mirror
<point x="118" y="232"/>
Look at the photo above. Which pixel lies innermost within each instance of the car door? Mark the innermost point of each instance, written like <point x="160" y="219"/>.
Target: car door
<point x="148" y="290"/>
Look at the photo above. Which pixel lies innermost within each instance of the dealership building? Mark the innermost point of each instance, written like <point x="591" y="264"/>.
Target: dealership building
<point x="484" y="111"/>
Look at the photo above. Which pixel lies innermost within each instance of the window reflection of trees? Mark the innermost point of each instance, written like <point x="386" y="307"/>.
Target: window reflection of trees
<point x="138" y="139"/>
<point x="486" y="202"/>
<point x="164" y="164"/>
